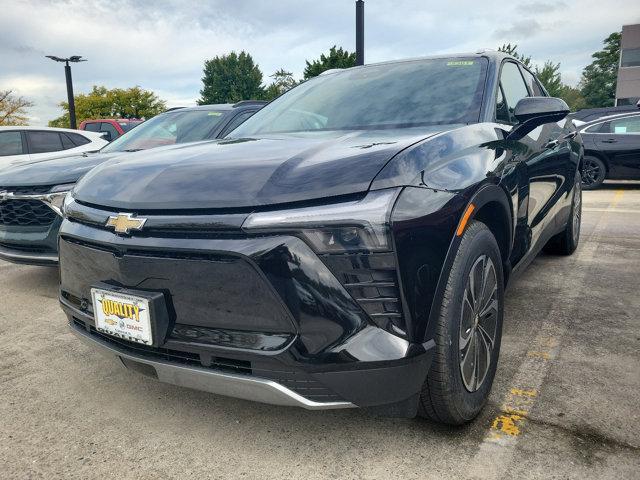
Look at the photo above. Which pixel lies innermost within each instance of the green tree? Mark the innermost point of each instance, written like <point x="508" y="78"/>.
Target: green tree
<point x="573" y="97"/>
<point x="282" y="81"/>
<point x="231" y="78"/>
<point x="513" y="51"/>
<point x="598" y="82"/>
<point x="13" y="110"/>
<point x="337" y="58"/>
<point x="549" y="76"/>
<point x="102" y="102"/>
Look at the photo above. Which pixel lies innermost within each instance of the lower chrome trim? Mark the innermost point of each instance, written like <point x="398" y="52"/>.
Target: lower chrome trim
<point x="17" y="256"/>
<point x="228" y="384"/>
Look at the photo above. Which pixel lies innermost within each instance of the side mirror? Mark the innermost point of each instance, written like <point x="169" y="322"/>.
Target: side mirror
<point x="532" y="112"/>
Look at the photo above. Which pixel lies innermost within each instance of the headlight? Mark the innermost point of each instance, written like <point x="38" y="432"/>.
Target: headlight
<point x="361" y="225"/>
<point x="56" y="197"/>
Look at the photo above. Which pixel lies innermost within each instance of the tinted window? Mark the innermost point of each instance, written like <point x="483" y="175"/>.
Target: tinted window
<point x="513" y="86"/>
<point x="630" y="57"/>
<point x="43" y="142"/>
<point x="533" y="84"/>
<point x="92" y="127"/>
<point x="126" y="126"/>
<point x="66" y="141"/>
<point x="624" y="126"/>
<point x="179" y="126"/>
<point x="393" y="95"/>
<point x="78" y="139"/>
<point x="237" y="121"/>
<point x="10" y="143"/>
<point x="502" y="112"/>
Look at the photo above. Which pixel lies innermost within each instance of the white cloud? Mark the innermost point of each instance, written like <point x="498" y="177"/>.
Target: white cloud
<point x="161" y="45"/>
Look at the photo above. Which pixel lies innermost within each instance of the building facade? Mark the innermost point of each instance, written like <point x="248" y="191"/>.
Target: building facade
<point x="628" y="86"/>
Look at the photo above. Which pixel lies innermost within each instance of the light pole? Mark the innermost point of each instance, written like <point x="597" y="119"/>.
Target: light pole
<point x="67" y="74"/>
<point x="360" y="32"/>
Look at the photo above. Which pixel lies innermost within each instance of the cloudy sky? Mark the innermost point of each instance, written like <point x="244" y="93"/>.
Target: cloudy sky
<point x="161" y="45"/>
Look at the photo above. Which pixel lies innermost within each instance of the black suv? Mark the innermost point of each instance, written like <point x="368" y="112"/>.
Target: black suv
<point x="348" y="245"/>
<point x="31" y="194"/>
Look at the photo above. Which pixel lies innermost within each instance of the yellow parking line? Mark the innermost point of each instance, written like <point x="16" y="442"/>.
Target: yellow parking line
<point x="617" y="197"/>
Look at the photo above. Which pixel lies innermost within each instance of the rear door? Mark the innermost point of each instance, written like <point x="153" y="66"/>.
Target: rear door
<point x="619" y="141"/>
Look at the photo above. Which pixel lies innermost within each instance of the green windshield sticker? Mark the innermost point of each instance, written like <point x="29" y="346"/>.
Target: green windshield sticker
<point x="460" y="63"/>
<point x="214" y="114"/>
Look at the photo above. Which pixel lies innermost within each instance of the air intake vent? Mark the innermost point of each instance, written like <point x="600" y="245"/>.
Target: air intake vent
<point x="372" y="280"/>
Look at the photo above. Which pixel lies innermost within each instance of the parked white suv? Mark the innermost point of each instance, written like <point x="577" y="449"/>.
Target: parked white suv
<point x="22" y="144"/>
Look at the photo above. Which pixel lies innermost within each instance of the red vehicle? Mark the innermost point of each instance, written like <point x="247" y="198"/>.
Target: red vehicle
<point x="110" y="128"/>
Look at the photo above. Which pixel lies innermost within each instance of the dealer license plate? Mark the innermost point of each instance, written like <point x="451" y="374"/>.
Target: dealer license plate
<point x="122" y="315"/>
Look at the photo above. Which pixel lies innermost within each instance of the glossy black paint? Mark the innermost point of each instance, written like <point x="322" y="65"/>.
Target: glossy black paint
<point x="521" y="187"/>
<point x="619" y="152"/>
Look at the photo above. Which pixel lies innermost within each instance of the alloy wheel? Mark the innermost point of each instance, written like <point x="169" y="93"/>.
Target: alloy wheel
<point x="591" y="172"/>
<point x="478" y="324"/>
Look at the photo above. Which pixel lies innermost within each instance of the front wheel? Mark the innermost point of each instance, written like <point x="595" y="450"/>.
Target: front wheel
<point x="468" y="332"/>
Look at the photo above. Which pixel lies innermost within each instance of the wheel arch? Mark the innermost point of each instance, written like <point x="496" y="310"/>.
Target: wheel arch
<point x="599" y="156"/>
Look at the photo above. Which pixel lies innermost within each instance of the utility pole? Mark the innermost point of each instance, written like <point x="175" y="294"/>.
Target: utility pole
<point x="360" y="32"/>
<point x="67" y="75"/>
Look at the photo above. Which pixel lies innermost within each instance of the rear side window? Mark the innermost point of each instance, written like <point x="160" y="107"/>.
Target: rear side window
<point x="533" y="84"/>
<point x="43" y="142"/>
<point x="66" y="141"/>
<point x="78" y="139"/>
<point x="10" y="144"/>
<point x="513" y="86"/>
<point x="92" y="127"/>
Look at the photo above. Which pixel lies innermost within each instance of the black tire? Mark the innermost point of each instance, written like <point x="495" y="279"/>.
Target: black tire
<point x="566" y="242"/>
<point x="593" y="172"/>
<point x="446" y="396"/>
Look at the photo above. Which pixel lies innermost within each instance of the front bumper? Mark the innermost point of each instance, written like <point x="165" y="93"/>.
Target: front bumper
<point x="261" y="318"/>
<point x="31" y="245"/>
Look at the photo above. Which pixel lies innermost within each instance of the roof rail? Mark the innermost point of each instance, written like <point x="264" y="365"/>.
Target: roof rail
<point x="249" y="102"/>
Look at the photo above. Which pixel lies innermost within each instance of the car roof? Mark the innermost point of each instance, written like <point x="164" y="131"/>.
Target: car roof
<point x="220" y="106"/>
<point x="119" y="120"/>
<point x="52" y="129"/>
<point x="608" y="118"/>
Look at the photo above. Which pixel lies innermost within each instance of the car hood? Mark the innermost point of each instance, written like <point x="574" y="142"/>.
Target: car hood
<point x="54" y="171"/>
<point x="247" y="172"/>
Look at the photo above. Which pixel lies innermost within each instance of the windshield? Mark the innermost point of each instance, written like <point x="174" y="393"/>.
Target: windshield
<point x="395" y="95"/>
<point x="166" y="129"/>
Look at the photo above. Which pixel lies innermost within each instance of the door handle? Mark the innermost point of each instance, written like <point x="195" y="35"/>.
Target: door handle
<point x="610" y="140"/>
<point x="551" y="144"/>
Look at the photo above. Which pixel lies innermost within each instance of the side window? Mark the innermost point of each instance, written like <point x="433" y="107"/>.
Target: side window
<point x="513" y="86"/>
<point x="533" y="84"/>
<point x="626" y="126"/>
<point x="92" y="127"/>
<point x="599" y="128"/>
<point x="237" y="121"/>
<point x="111" y="130"/>
<point x="43" y="142"/>
<point x="78" y="139"/>
<point x="66" y="141"/>
<point x="502" y="112"/>
<point x="10" y="144"/>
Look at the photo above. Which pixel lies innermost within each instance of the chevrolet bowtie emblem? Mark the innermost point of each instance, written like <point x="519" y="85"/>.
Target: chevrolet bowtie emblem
<point x="125" y="222"/>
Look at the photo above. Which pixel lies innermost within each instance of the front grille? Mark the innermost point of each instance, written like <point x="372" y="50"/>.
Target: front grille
<point x="25" y="213"/>
<point x="37" y="190"/>
<point x="372" y="280"/>
<point x="298" y="381"/>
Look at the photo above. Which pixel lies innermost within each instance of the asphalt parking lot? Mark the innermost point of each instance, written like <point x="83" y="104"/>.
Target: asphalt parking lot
<point x="565" y="403"/>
